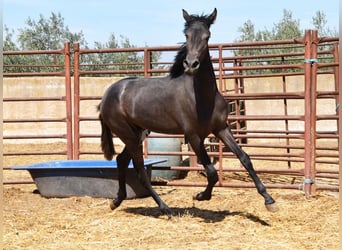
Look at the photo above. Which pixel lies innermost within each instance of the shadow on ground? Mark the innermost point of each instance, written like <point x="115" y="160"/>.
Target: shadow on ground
<point x="208" y="216"/>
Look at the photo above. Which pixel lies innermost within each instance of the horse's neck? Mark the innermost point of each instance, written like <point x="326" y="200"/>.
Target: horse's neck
<point x="204" y="80"/>
<point x="205" y="90"/>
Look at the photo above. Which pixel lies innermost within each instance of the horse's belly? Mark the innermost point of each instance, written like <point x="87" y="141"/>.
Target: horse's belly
<point x="159" y="123"/>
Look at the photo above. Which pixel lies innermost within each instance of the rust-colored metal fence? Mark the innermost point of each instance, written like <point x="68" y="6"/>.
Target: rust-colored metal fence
<point x="282" y="112"/>
<point x="235" y="64"/>
<point x="30" y="97"/>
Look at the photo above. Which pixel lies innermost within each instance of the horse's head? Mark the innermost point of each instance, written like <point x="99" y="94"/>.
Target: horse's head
<point x="197" y="35"/>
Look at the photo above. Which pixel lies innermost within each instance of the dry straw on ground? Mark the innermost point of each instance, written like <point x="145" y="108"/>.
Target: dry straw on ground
<point x="233" y="219"/>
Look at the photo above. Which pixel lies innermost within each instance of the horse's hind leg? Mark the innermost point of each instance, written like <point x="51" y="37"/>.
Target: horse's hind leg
<point x="228" y="139"/>
<point x="138" y="162"/>
<point x="123" y="160"/>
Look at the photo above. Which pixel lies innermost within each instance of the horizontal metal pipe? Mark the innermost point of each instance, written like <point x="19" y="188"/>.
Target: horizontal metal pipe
<point x="250" y="185"/>
<point x="34" y="120"/>
<point x="262" y="96"/>
<point x="25" y="137"/>
<point x="33" y="52"/>
<point x="203" y="184"/>
<point x="35" y="153"/>
<point x="32" y="99"/>
<point x="33" y="74"/>
<point x="14" y="182"/>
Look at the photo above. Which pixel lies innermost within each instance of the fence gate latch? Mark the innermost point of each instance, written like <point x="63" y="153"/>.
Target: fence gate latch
<point x="311" y="60"/>
<point x="309" y="181"/>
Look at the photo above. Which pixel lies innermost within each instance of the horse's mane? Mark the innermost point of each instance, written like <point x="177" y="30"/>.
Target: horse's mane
<point x="177" y="68"/>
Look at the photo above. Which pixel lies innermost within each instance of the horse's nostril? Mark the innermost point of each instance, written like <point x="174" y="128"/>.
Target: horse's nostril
<point x="186" y="65"/>
<point x="195" y="64"/>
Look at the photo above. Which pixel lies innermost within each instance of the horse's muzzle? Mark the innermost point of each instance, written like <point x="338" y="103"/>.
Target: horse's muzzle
<point x="191" y="66"/>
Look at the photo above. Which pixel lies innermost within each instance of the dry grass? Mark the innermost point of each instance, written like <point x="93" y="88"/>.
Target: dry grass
<point x="233" y="219"/>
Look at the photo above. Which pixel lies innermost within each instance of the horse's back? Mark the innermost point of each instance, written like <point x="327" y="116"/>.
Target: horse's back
<point x="115" y="89"/>
<point x="150" y="103"/>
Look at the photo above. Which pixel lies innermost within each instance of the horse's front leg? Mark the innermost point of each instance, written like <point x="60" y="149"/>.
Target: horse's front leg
<point x="228" y="139"/>
<point x="198" y="146"/>
<point x="212" y="178"/>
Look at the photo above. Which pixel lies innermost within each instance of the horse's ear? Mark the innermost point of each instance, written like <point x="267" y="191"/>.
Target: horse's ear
<point x="186" y="16"/>
<point x="212" y="16"/>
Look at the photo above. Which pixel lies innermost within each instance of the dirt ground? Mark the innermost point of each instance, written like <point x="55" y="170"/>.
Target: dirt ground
<point x="232" y="219"/>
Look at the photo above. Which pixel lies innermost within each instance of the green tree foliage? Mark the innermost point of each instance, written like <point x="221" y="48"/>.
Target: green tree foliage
<point x="47" y="34"/>
<point x="320" y="21"/>
<point x="8" y="40"/>
<point x="247" y="31"/>
<point x="50" y="34"/>
<point x="118" y="60"/>
<point x="287" y="28"/>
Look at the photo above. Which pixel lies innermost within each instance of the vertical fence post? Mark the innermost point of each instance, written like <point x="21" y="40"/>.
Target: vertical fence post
<point x="222" y="90"/>
<point x="147" y="62"/>
<point x="68" y="100"/>
<point x="147" y="67"/>
<point x="76" y="101"/>
<point x="313" y="132"/>
<point x="307" y="111"/>
<point x="310" y="70"/>
<point x="220" y="62"/>
<point x="337" y="80"/>
<point x="284" y="85"/>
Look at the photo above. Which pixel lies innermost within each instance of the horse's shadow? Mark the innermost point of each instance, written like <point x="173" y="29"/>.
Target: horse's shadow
<point x="207" y="216"/>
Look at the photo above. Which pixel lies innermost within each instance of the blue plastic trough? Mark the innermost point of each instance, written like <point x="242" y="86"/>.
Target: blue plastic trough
<point x="95" y="178"/>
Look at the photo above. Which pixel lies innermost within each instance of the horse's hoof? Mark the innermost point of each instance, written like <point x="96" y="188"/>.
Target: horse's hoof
<point x="166" y="210"/>
<point x="168" y="213"/>
<point x="201" y="197"/>
<point x="272" y="207"/>
<point x="112" y="205"/>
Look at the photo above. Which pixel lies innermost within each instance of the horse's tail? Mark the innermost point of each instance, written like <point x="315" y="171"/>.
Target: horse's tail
<point x="106" y="140"/>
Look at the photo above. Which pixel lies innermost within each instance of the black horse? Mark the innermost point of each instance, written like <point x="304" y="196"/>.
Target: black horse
<point x="185" y="102"/>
